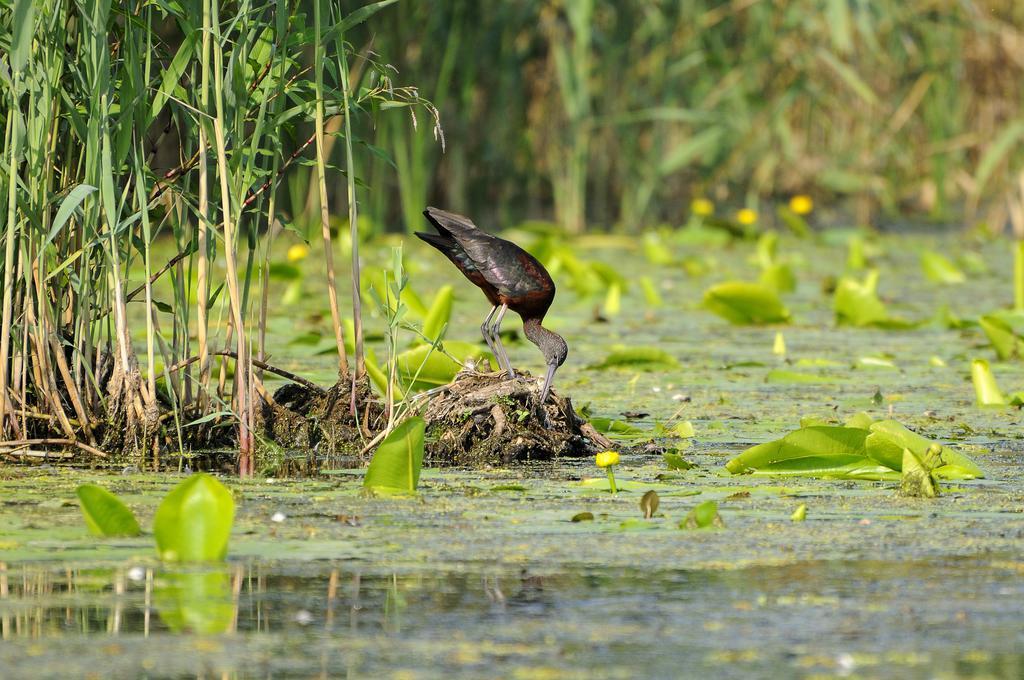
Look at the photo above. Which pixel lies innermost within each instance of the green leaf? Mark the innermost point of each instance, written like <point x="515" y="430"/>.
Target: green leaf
<point x="986" y="391"/>
<point x="998" y="149"/>
<point x="67" y="209"/>
<point x="617" y="427"/>
<point x="1001" y="335"/>
<point x="363" y="13"/>
<point x="172" y="74"/>
<point x="651" y="295"/>
<point x="940" y="269"/>
<point x="613" y="301"/>
<point x="676" y="462"/>
<point x="917" y="479"/>
<point x="193" y="523"/>
<point x="397" y="461"/>
<point x="856" y="303"/>
<point x="745" y="303"/>
<point x="105" y="514"/>
<point x="23" y="27"/>
<point x="800" y="514"/>
<point x="704" y="516"/>
<point x="439" y="314"/>
<point x="423" y="367"/>
<point x="642" y="358"/>
<point x="888" y="438"/>
<point x="814" y="451"/>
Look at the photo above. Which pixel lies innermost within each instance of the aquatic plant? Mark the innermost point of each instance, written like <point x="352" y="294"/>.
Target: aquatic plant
<point x="397" y="460"/>
<point x="192" y="524"/>
<point x="115" y="114"/>
<point x="608" y="460"/>
<point x="858" y="450"/>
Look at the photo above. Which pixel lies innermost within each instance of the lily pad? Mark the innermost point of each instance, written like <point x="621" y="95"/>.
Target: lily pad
<point x="642" y="358"/>
<point x="743" y="303"/>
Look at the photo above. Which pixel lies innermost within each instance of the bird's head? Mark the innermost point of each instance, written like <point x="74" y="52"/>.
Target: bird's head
<point x="552" y="346"/>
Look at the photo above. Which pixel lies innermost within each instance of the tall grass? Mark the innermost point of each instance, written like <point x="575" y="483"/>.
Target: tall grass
<point x="125" y="123"/>
<point x="619" y="113"/>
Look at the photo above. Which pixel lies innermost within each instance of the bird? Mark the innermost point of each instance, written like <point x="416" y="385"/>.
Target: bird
<point x="510" y="278"/>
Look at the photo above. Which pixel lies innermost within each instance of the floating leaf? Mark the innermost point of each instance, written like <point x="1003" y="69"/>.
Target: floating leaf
<point x="643" y="358"/>
<point x="583" y="517"/>
<point x="814" y="451"/>
<point x="917" y="478"/>
<point x="396" y="463"/>
<point x="1004" y="339"/>
<point x="779" y="277"/>
<point x="780" y="375"/>
<point x="105" y="514"/>
<point x="651" y="295"/>
<point x="649" y="503"/>
<point x="745" y="303"/>
<point x="676" y="462"/>
<point x="940" y="269"/>
<point x="617" y="427"/>
<point x="655" y="249"/>
<point x="986" y="391"/>
<point x="779" y="346"/>
<point x="856" y="303"/>
<point x="193" y="523"/>
<point x="613" y="301"/>
<point x="704" y="516"/>
<point x="888" y="438"/>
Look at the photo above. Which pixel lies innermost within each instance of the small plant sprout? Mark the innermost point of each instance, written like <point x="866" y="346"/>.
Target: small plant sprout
<point x="702" y="207"/>
<point x="801" y="204"/>
<point x="800" y="514"/>
<point x="608" y="460"/>
<point x="779" y="346"/>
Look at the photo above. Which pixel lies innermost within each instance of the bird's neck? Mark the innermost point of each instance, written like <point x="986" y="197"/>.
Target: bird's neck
<point x="535" y="333"/>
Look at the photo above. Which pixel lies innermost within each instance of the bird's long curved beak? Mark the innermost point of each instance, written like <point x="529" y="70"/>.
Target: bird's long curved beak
<point x="547" y="383"/>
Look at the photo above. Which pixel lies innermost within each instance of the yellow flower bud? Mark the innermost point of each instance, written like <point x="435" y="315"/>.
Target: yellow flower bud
<point x="607" y="458"/>
<point x="297" y="252"/>
<point x="801" y="204"/>
<point x="702" y="207"/>
<point x="746" y="216"/>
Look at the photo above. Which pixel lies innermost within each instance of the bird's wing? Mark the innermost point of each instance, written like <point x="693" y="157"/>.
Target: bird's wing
<point x="500" y="262"/>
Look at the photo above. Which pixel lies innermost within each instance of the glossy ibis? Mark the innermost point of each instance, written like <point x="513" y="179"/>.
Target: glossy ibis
<point x="510" y="277"/>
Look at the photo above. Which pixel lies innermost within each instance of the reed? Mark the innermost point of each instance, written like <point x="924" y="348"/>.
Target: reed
<point x="621" y="113"/>
<point x="127" y="123"/>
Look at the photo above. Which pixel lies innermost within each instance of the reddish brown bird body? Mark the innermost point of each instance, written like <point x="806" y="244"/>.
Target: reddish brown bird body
<point x="510" y="278"/>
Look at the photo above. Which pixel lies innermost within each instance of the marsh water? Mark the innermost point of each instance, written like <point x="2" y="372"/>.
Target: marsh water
<point x="484" y="573"/>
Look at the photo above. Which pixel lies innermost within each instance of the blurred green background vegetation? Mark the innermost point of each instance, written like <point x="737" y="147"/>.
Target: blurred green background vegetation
<point x="618" y="114"/>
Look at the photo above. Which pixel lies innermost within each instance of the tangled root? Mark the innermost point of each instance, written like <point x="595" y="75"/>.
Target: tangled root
<point x="490" y="419"/>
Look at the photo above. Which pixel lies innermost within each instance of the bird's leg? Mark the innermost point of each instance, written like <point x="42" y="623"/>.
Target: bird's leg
<point x="500" y="349"/>
<point x="486" y="332"/>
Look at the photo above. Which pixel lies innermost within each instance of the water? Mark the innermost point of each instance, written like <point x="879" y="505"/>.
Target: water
<point x="484" y="574"/>
<point x="873" y="619"/>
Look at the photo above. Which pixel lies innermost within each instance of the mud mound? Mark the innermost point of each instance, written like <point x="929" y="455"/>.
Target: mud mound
<point x="490" y="419"/>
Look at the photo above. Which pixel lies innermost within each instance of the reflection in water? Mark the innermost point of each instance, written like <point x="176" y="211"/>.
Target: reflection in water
<point x="237" y="620"/>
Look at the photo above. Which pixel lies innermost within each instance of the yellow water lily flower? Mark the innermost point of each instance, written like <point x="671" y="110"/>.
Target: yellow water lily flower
<point x="606" y="458"/>
<point x="297" y="252"/>
<point x="702" y="207"/>
<point x="746" y="216"/>
<point x="801" y="204"/>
